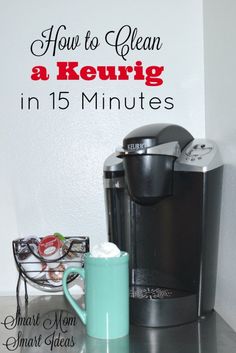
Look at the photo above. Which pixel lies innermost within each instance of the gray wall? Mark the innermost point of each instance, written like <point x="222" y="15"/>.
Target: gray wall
<point x="52" y="160"/>
<point x="220" y="98"/>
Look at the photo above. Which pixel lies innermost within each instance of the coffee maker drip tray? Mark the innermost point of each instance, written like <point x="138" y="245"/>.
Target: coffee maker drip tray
<point x="154" y="306"/>
<point x="150" y="292"/>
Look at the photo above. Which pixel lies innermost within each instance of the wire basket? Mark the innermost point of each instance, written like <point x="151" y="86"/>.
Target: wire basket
<point x="46" y="272"/>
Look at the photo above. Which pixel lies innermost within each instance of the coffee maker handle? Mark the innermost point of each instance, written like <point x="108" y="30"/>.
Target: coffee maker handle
<point x="80" y="312"/>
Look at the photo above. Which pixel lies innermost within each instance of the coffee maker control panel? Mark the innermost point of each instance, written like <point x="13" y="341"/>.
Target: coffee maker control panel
<point x="198" y="151"/>
<point x="199" y="155"/>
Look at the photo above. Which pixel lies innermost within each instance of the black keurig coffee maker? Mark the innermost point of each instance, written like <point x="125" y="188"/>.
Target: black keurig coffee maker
<point x="163" y="192"/>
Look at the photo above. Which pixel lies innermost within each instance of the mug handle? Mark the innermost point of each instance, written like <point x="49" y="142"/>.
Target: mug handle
<point x="80" y="312"/>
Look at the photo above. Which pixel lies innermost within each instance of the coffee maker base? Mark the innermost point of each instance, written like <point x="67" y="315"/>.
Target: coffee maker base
<point x="161" y="307"/>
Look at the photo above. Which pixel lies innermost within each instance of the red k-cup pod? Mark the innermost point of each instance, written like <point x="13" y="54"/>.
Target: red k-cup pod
<point x="49" y="246"/>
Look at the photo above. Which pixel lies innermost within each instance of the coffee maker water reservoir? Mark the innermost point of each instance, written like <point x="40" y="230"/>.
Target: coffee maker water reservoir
<point x="162" y="193"/>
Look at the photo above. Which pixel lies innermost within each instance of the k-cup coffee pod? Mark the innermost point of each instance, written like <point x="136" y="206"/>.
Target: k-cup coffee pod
<point x="50" y="249"/>
<point x="72" y="248"/>
<point x="33" y="267"/>
<point x="55" y="275"/>
<point x="27" y="247"/>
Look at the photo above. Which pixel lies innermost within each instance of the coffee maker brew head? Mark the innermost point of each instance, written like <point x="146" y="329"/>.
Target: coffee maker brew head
<point x="149" y="153"/>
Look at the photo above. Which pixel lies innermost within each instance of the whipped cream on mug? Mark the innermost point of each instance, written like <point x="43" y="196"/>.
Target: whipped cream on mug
<point x="106" y="249"/>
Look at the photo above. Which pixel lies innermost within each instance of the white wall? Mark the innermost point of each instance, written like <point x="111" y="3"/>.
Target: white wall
<point x="52" y="161"/>
<point x="220" y="77"/>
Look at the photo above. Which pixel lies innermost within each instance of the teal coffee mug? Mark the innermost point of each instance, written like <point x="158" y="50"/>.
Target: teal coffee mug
<point x="106" y="313"/>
